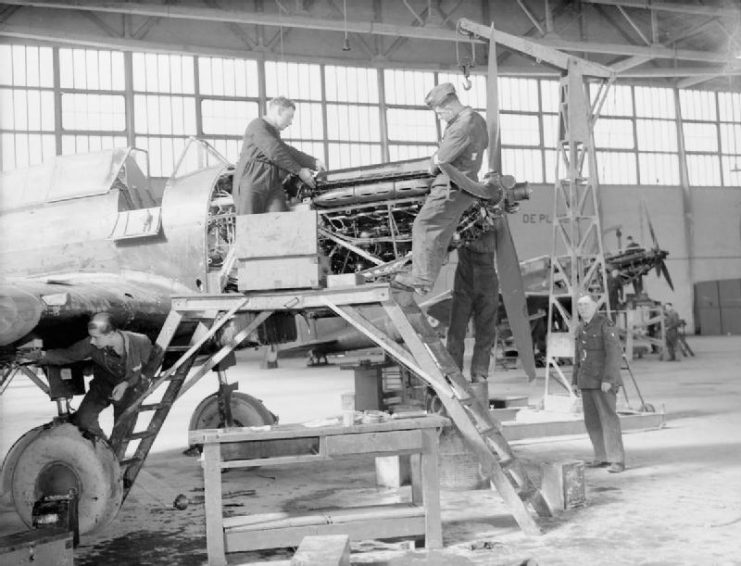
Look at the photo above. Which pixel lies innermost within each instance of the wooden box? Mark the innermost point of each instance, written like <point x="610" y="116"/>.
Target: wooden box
<point x="563" y="485"/>
<point x="279" y="250"/>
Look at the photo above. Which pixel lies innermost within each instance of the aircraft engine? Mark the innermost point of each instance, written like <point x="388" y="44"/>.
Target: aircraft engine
<point x="366" y="214"/>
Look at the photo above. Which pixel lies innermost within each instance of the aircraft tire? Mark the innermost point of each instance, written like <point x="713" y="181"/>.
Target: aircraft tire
<point x="11" y="460"/>
<point x="246" y="411"/>
<point x="60" y="458"/>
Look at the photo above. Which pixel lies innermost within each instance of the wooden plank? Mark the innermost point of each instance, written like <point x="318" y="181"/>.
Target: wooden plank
<point x="268" y="521"/>
<point x="239" y="434"/>
<point x="390" y="527"/>
<point x="396" y="442"/>
<point x="431" y="490"/>
<point x="212" y="503"/>
<point x="284" y="300"/>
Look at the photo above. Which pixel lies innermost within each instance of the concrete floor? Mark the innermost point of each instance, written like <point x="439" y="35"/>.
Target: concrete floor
<point x="679" y="502"/>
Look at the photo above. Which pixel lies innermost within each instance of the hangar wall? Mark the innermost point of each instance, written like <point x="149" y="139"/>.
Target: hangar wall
<point x="703" y="240"/>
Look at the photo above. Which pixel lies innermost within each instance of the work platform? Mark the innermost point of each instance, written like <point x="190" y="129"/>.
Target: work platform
<point x="403" y="333"/>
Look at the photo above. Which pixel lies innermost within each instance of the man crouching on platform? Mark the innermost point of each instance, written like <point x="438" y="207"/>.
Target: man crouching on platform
<point x="462" y="146"/>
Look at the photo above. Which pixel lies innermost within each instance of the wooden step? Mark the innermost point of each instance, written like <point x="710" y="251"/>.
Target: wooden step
<point x="152" y="406"/>
<point x="140" y="435"/>
<point x="129" y="461"/>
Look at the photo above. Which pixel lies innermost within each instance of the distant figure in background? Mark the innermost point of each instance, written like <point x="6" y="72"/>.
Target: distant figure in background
<point x="596" y="377"/>
<point x="124" y="363"/>
<point x="266" y="160"/>
<point x="475" y="294"/>
<point x="672" y="323"/>
<point x="462" y="146"/>
<point x="631" y="243"/>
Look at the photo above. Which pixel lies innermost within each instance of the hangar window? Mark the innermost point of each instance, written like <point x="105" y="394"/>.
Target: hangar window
<point x="399" y="152"/>
<point x="163" y="73"/>
<point x="519" y="129"/>
<point x="524" y="164"/>
<point x="343" y="155"/>
<point x="658" y="168"/>
<point x="227" y="77"/>
<point x="164" y="107"/>
<point x="618" y="102"/>
<point x="656" y="135"/>
<point x="704" y="170"/>
<point x="518" y="94"/>
<point x="227" y="117"/>
<point x="407" y="87"/>
<point x="729" y="105"/>
<point x="27" y="113"/>
<point x="297" y="81"/>
<point x="351" y="84"/>
<point x="411" y="125"/>
<point x="697" y="105"/>
<point x="700" y="136"/>
<point x="99" y="112"/>
<point x="351" y="122"/>
<point x="91" y="69"/>
<point x="617" y="168"/>
<point x="615" y="133"/>
<point x="654" y="102"/>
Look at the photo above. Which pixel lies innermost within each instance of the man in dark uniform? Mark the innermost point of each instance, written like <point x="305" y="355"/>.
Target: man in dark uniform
<point x="475" y="294"/>
<point x="266" y="160"/>
<point x="123" y="364"/>
<point x="597" y="377"/>
<point x="462" y="146"/>
<point x="671" y="325"/>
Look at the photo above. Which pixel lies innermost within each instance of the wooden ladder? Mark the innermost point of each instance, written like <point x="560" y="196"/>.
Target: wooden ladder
<point x="123" y="432"/>
<point x="426" y="356"/>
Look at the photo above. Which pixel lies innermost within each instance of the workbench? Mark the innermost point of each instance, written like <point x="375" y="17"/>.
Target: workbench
<point x="297" y="444"/>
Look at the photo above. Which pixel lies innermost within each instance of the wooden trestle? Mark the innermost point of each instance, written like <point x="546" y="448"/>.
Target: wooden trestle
<point x="420" y="350"/>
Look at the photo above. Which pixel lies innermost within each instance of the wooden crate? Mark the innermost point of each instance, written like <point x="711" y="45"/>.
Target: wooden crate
<point x="279" y="250"/>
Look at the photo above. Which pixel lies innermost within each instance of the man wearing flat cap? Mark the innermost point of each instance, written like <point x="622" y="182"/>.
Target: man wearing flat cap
<point x="462" y="146"/>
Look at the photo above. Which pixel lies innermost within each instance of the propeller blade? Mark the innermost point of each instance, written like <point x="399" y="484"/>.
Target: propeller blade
<point x="511" y="285"/>
<point x="513" y="295"/>
<point x="650" y="225"/>
<point x="665" y="273"/>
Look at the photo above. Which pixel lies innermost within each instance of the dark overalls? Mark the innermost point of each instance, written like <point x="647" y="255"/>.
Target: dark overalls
<point x="264" y="162"/>
<point x="475" y="294"/>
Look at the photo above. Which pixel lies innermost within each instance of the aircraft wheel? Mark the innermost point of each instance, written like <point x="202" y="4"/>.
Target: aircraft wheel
<point x="246" y="411"/>
<point x="433" y="404"/>
<point x="11" y="459"/>
<point x="59" y="459"/>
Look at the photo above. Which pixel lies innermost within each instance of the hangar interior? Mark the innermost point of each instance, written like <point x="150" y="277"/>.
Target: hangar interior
<point x="90" y="75"/>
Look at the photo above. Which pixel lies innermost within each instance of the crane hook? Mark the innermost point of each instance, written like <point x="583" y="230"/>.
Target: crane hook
<point x="466" y="77"/>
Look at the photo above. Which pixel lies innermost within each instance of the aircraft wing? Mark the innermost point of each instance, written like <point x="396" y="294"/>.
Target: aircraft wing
<point x="57" y="310"/>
